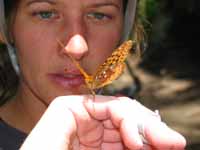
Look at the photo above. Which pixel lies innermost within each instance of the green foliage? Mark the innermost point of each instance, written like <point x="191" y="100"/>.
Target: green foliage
<point x="148" y="9"/>
<point x="151" y="8"/>
<point x="2" y="46"/>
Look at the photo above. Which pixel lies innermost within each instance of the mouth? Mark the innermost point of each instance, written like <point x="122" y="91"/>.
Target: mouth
<point x="67" y="80"/>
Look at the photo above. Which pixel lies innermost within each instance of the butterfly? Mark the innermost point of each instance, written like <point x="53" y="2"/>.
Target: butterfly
<point x="110" y="70"/>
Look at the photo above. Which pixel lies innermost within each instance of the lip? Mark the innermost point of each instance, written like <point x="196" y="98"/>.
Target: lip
<point x="68" y="80"/>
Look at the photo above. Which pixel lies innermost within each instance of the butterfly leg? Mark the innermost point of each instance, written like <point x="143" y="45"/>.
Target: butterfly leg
<point x="93" y="94"/>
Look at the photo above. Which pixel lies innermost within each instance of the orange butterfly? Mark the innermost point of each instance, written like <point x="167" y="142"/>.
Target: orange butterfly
<point x="110" y="70"/>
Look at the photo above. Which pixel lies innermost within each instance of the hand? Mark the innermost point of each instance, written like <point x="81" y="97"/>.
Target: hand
<point x="79" y="123"/>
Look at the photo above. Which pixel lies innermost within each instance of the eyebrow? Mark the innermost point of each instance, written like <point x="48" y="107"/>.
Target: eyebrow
<point x="97" y="4"/>
<point x="106" y="3"/>
<point x="34" y="1"/>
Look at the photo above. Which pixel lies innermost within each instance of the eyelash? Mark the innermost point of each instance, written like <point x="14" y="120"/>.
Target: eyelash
<point x="50" y="14"/>
<point x="99" y="16"/>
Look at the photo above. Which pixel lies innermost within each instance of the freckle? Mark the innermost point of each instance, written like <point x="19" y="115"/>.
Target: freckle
<point x="65" y="70"/>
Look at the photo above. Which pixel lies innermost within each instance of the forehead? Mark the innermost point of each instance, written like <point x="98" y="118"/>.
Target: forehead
<point x="81" y="1"/>
<point x="70" y="4"/>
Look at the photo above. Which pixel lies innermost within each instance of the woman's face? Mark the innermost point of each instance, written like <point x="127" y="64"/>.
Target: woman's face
<point x="89" y="30"/>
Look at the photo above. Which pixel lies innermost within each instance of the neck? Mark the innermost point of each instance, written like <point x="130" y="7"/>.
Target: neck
<point x="23" y="111"/>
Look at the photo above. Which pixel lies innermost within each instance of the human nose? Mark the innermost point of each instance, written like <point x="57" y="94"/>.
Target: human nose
<point x="76" y="47"/>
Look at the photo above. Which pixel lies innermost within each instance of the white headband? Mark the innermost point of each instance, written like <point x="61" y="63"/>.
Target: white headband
<point x="128" y="26"/>
<point x="129" y="19"/>
<point x="4" y="35"/>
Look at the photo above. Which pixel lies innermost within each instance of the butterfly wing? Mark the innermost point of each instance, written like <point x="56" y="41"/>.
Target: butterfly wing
<point x="112" y="68"/>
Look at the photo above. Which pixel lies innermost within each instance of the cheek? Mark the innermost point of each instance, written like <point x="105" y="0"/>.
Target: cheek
<point x="29" y="47"/>
<point x="108" y="33"/>
<point x="105" y="39"/>
<point x="31" y="41"/>
<point x="34" y="51"/>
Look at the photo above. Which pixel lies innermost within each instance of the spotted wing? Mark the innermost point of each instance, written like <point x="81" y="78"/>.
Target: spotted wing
<point x="112" y="68"/>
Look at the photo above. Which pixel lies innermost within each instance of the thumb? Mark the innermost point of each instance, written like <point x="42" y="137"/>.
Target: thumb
<point x="54" y="130"/>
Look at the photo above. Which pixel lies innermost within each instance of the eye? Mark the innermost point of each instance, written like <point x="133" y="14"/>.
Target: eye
<point x="98" y="16"/>
<point x="46" y="15"/>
